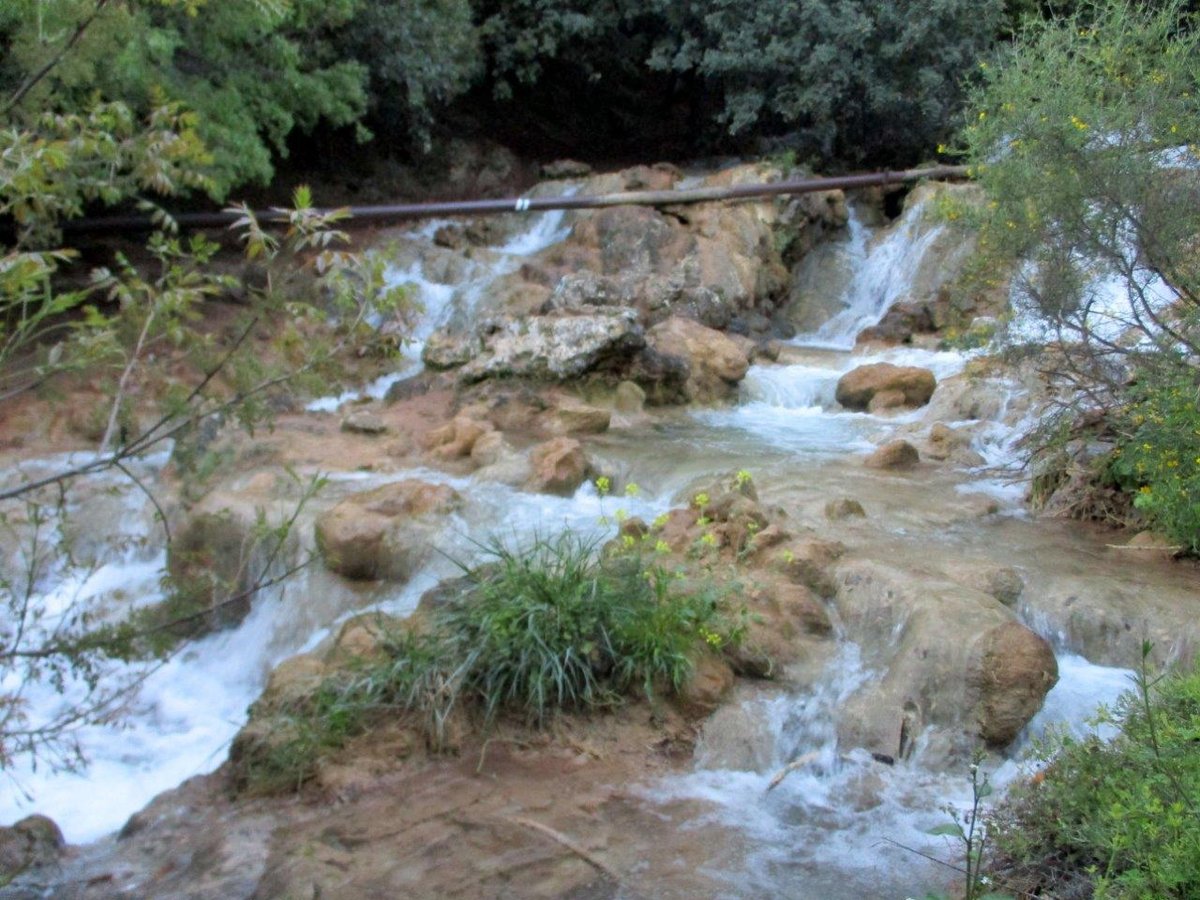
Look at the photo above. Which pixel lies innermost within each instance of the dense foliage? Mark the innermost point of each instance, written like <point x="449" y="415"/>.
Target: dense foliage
<point x="845" y="81"/>
<point x="852" y="81"/>
<point x="1118" y="817"/>
<point x="1086" y="139"/>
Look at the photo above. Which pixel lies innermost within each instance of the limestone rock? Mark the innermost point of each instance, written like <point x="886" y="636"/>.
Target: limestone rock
<point x="290" y="684"/>
<point x="952" y="657"/>
<point x="715" y="362"/>
<point x="1016" y="671"/>
<point x="33" y="841"/>
<point x="844" y="508"/>
<point x="899" y="324"/>
<point x="449" y="350"/>
<point x="555" y="347"/>
<point x="800" y="607"/>
<point x="565" y="168"/>
<point x="363" y="421"/>
<point x="898" y="454"/>
<point x="456" y="439"/>
<point x="558" y="467"/>
<point x="856" y="388"/>
<point x="579" y="418"/>
<point x="885" y="400"/>
<point x="707" y="686"/>
<point x="489" y="448"/>
<point x="385" y="533"/>
<point x="629" y="398"/>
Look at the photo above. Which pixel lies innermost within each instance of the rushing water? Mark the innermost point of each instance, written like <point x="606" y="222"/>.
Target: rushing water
<point x="838" y="817"/>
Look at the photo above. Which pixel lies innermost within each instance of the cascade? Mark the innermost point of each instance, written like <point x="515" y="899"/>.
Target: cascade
<point x="830" y="816"/>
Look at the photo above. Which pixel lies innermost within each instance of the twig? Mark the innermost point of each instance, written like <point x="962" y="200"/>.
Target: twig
<point x="798" y="763"/>
<point x="589" y="858"/>
<point x="31" y="82"/>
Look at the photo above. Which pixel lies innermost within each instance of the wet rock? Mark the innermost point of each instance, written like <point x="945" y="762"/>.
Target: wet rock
<point x="844" y="508"/>
<point x="1017" y="670"/>
<point x="385" y="533"/>
<point x="856" y="388"/>
<point x="1002" y="582"/>
<point x="364" y="421"/>
<point x="706" y="687"/>
<point x="363" y="637"/>
<point x="556" y="347"/>
<point x="809" y="562"/>
<point x="899" y="324"/>
<point x="629" y="398"/>
<point x="579" y="418"/>
<point x="458" y="438"/>
<point x="800" y="608"/>
<point x="952" y="657"/>
<point x="715" y="363"/>
<point x="663" y="377"/>
<point x="489" y="448"/>
<point x="737" y="736"/>
<point x="962" y="397"/>
<point x="290" y="684"/>
<point x="32" y="842"/>
<point x="944" y="440"/>
<point x="898" y="454"/>
<point x="558" y="467"/>
<point x="214" y="560"/>
<point x="885" y="400"/>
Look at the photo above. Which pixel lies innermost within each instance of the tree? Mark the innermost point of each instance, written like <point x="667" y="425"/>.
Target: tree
<point x="1085" y="139"/>
<point x="253" y="72"/>
<point x="56" y="321"/>
<point x="855" y="80"/>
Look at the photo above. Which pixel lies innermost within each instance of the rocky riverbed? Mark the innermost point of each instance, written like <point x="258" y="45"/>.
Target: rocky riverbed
<point x="863" y="498"/>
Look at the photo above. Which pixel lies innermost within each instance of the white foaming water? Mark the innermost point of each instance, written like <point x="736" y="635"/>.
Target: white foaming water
<point x="884" y="274"/>
<point x="439" y="301"/>
<point x="186" y="712"/>
<point x="835" y="823"/>
<point x="793" y="407"/>
<point x="1109" y="313"/>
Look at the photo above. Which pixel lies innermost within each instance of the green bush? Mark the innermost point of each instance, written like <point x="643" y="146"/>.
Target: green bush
<point x="1159" y="455"/>
<point x="556" y="626"/>
<point x="559" y="626"/>
<point x="844" y="79"/>
<point x="1119" y="815"/>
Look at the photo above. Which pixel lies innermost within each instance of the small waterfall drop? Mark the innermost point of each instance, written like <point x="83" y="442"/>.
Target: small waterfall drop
<point x="885" y="274"/>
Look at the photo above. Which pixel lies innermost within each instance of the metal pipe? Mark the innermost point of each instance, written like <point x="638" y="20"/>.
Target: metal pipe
<point x="366" y="214"/>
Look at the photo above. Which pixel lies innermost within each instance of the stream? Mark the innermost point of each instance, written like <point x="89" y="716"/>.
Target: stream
<point x="837" y="827"/>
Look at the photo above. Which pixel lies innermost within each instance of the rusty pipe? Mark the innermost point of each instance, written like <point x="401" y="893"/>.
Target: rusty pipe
<point x="367" y="214"/>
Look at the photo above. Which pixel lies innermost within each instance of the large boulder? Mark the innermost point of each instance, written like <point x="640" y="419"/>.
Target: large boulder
<point x="558" y="467"/>
<point x="715" y="363"/>
<point x="898" y="454"/>
<point x="856" y="389"/>
<point x="953" y="658"/>
<point x="553" y="347"/>
<point x="385" y="533"/>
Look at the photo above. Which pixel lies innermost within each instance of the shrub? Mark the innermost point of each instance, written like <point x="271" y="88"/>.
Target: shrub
<point x="1158" y="456"/>
<point x="1085" y="139"/>
<point x="559" y="626"/>
<point x="1119" y="815"/>
<point x="556" y="626"/>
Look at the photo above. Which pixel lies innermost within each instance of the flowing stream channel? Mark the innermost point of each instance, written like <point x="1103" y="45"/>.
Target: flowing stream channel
<point x="833" y="828"/>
